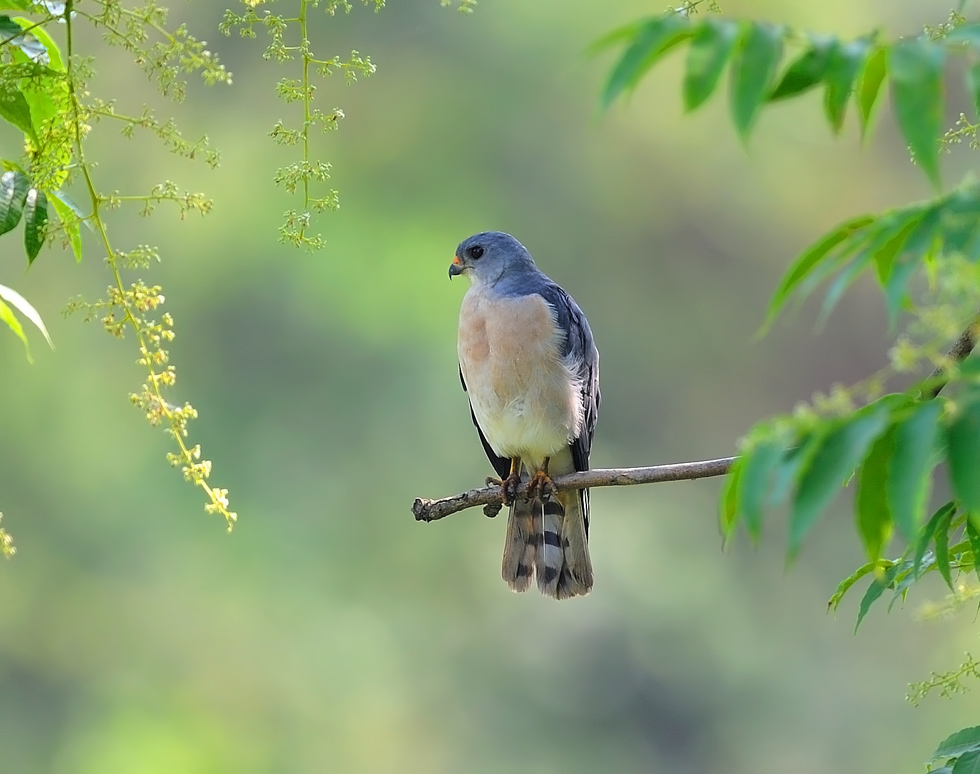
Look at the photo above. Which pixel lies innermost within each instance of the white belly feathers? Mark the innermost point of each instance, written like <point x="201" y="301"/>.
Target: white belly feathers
<point x="525" y="395"/>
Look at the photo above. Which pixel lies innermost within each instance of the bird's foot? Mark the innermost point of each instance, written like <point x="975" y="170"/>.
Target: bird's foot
<point x="508" y="486"/>
<point x="540" y="486"/>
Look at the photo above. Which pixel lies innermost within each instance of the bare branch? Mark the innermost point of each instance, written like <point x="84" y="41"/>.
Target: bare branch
<point x="431" y="510"/>
<point x="960" y="351"/>
<point x="491" y="499"/>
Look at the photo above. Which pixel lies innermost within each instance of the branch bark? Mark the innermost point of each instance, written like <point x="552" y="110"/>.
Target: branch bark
<point x="490" y="497"/>
<point x="960" y="351"/>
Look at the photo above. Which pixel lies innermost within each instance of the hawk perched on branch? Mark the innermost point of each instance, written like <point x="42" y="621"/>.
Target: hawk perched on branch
<point x="529" y="364"/>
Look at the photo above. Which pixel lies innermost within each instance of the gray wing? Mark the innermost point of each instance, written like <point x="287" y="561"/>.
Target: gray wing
<point x="581" y="346"/>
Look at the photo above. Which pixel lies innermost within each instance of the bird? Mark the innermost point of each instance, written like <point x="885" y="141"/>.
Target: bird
<point x="530" y="368"/>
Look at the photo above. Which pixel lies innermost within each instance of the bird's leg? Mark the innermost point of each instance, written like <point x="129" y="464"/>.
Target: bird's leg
<point x="509" y="486"/>
<point x="540" y="485"/>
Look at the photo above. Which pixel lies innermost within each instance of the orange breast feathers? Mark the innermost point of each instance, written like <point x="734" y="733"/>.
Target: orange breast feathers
<point x="524" y="394"/>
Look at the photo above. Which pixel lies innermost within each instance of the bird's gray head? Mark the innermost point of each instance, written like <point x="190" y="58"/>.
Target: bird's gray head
<point x="489" y="256"/>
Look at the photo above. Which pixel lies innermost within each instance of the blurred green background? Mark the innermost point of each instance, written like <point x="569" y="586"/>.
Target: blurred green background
<point x="330" y="632"/>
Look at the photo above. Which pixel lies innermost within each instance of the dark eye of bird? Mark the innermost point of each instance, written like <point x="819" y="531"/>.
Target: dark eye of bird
<point x="476" y="252"/>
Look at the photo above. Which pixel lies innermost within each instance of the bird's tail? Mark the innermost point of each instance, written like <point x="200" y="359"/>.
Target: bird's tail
<point x="521" y="544"/>
<point x="550" y="542"/>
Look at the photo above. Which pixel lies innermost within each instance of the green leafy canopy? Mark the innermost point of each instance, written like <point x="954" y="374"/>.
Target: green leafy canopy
<point x="891" y="446"/>
<point x="849" y="71"/>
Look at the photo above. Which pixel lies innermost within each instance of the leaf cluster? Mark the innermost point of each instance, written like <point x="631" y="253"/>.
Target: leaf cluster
<point x="892" y="246"/>
<point x="959" y="753"/>
<point x="890" y="446"/>
<point x="307" y="173"/>
<point x="887" y="445"/>
<point x="761" y="72"/>
<point x="165" y="55"/>
<point x="288" y="41"/>
<point x="33" y="93"/>
<point x="947" y="683"/>
<point x="44" y="94"/>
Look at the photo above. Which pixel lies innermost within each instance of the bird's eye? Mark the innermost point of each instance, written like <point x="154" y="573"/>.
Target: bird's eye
<point x="476" y="252"/>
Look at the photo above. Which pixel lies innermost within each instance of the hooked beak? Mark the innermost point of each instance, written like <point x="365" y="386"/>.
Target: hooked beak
<point x="456" y="267"/>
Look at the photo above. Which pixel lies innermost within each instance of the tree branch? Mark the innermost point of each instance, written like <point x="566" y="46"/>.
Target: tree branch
<point x="491" y="500"/>
<point x="960" y="351"/>
<point x="431" y="510"/>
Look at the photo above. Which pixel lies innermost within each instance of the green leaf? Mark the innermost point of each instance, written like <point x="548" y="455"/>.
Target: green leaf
<point x="652" y="41"/>
<point x="16" y="111"/>
<point x="706" y="58"/>
<point x="897" y="287"/>
<point x="753" y="69"/>
<point x="877" y="588"/>
<point x="7" y="316"/>
<point x="892" y="233"/>
<point x="13" y="194"/>
<point x="48" y="90"/>
<point x="920" y="244"/>
<point x="40" y="100"/>
<point x="35" y="220"/>
<point x="916" y="68"/>
<point x="970" y="366"/>
<point x="846" y="278"/>
<point x="874" y="518"/>
<point x="795" y="460"/>
<point x="960" y="222"/>
<point x="728" y="511"/>
<point x="968" y="763"/>
<point x="910" y="469"/>
<point x="974" y="537"/>
<point x="804" y="265"/>
<point x="841" y="257"/>
<point x="875" y="68"/>
<point x="618" y="35"/>
<point x="13" y="33"/>
<point x="890" y="242"/>
<point x="964" y="741"/>
<point x="16" y="5"/>
<point x="845" y="64"/>
<point x="758" y="467"/>
<point x="958" y="549"/>
<point x="927" y="532"/>
<point x="941" y="541"/>
<point x="11" y="166"/>
<point x="963" y="439"/>
<point x="843" y="448"/>
<point x="54" y="60"/>
<point x="807" y="71"/>
<point x="69" y="218"/>
<point x="23" y="306"/>
<point x="845" y="585"/>
<point x="924" y="239"/>
<point x="904" y="580"/>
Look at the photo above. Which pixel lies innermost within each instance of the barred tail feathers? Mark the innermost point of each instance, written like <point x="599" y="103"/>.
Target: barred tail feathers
<point x="520" y="544"/>
<point x="549" y="542"/>
<point x="550" y="556"/>
<point x="576" y="576"/>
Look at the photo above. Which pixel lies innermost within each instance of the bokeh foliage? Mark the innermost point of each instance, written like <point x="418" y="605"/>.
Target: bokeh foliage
<point x="331" y="632"/>
<point x="46" y="97"/>
<point x="888" y="444"/>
